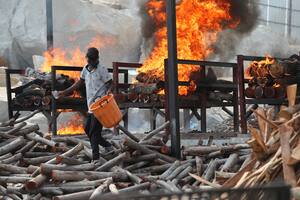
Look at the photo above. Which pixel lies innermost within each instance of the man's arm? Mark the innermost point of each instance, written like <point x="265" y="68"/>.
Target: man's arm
<point x="76" y="86"/>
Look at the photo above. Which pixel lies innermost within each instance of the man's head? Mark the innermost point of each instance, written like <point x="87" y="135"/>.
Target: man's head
<point x="92" y="56"/>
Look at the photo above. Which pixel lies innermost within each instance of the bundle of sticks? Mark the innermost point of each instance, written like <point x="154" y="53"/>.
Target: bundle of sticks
<point x="276" y="149"/>
<point x="35" y="90"/>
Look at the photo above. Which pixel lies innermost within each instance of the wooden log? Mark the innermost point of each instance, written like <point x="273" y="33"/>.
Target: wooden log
<point x="37" y="160"/>
<point x="40" y="179"/>
<point x="269" y="92"/>
<point x="113" y="189"/>
<point x="130" y="135"/>
<point x="5" y="194"/>
<point x="27" y="147"/>
<point x="83" y="183"/>
<point x="27" y="130"/>
<point x="13" y="169"/>
<point x="170" y="170"/>
<point x="115" y="161"/>
<point x="70" y="161"/>
<point x="10" y="122"/>
<point x="203" y="150"/>
<point x="12" y="159"/>
<point x="32" y="168"/>
<point x="57" y="175"/>
<point x="291" y="91"/>
<point x="27" y="117"/>
<point x="261" y="122"/>
<point x="46" y="169"/>
<point x="153" y="169"/>
<point x="16" y="128"/>
<point x="184" y="173"/>
<point x="13" y="146"/>
<point x="288" y="112"/>
<point x="137" y="165"/>
<point x="177" y="171"/>
<point x="5" y="156"/>
<point x="232" y="181"/>
<point x="101" y="189"/>
<point x="132" y="144"/>
<point x="288" y="171"/>
<point x="156" y="131"/>
<point x="169" y="186"/>
<point x="37" y="154"/>
<point x="35" y="182"/>
<point x="147" y="157"/>
<point x="232" y="160"/>
<point x="249" y="92"/>
<point x="259" y="92"/>
<point x="75" y="196"/>
<point x="265" y="119"/>
<point x="280" y="92"/>
<point x="199" y="164"/>
<point x="134" y="188"/>
<point x="72" y="141"/>
<point x="13" y="179"/>
<point x="210" y="171"/>
<point x="37" y="138"/>
<point x="204" y="181"/>
<point x="153" y="141"/>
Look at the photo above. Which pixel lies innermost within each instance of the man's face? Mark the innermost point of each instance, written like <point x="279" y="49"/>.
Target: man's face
<point x="92" y="62"/>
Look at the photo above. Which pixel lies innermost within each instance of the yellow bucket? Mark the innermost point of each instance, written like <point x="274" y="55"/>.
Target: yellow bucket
<point x="107" y="111"/>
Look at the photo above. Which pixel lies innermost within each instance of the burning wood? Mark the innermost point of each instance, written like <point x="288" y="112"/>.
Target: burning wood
<point x="270" y="77"/>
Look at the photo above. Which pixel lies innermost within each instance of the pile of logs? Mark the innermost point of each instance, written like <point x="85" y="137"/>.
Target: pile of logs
<point x="270" y="77"/>
<point x="35" y="90"/>
<point x="34" y="165"/>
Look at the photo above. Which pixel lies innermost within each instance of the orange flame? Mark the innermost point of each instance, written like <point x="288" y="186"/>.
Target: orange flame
<point x="73" y="127"/>
<point x="198" y="25"/>
<point x="259" y="68"/>
<point x="72" y="57"/>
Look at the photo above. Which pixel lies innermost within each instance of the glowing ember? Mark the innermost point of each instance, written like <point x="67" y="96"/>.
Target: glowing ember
<point x="198" y="25"/>
<point x="73" y="127"/>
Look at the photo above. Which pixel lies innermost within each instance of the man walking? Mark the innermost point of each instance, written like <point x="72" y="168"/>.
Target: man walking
<point x="98" y="82"/>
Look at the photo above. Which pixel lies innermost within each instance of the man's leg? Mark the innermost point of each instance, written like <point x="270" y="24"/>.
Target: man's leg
<point x="92" y="128"/>
<point x="99" y="138"/>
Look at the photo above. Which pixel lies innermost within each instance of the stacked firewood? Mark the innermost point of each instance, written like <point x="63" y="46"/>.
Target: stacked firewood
<point x="276" y="150"/>
<point x="34" y="165"/>
<point x="35" y="89"/>
<point x="270" y="77"/>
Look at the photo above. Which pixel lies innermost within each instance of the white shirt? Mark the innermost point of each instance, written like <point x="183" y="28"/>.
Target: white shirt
<point x="95" y="82"/>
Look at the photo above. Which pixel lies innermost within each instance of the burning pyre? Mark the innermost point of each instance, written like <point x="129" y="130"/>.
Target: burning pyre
<point x="198" y="26"/>
<point x="269" y="78"/>
<point x="197" y="33"/>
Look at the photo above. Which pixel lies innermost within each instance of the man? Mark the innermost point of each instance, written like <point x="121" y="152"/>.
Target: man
<point x="97" y="81"/>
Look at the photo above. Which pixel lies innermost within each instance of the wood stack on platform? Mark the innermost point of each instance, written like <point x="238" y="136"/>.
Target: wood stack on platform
<point x="33" y="165"/>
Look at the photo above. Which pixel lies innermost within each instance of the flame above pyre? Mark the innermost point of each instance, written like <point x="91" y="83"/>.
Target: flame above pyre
<point x="73" y="127"/>
<point x="198" y="24"/>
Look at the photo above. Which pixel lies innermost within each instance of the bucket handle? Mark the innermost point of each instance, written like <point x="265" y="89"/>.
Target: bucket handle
<point x="103" y="103"/>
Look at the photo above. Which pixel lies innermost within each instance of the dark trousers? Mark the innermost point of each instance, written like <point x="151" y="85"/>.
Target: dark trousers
<point x="93" y="129"/>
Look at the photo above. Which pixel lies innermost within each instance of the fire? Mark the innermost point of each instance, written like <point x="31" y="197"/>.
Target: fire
<point x="72" y="57"/>
<point x="198" y="24"/>
<point x="73" y="127"/>
<point x="259" y="68"/>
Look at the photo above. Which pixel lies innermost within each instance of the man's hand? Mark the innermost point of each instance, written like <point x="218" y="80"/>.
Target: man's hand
<point x="61" y="94"/>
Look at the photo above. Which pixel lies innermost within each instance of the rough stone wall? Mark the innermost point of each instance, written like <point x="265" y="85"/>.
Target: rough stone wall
<point x="23" y="28"/>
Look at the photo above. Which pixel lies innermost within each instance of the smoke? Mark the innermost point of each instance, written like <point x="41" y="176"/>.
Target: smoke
<point x="247" y="13"/>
